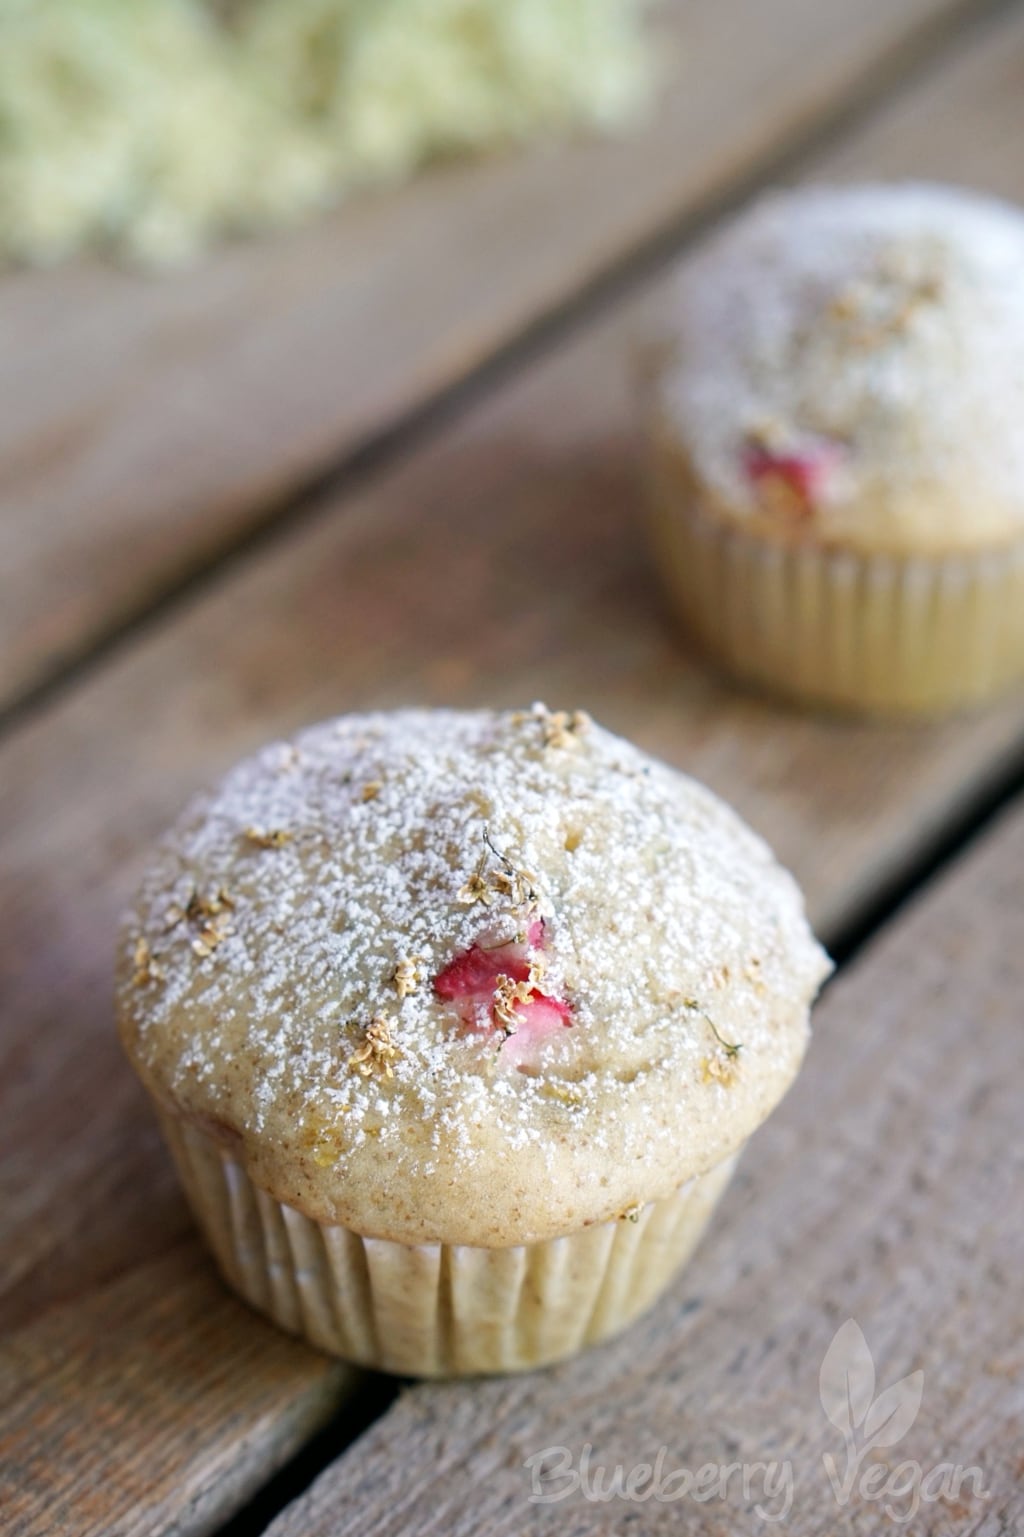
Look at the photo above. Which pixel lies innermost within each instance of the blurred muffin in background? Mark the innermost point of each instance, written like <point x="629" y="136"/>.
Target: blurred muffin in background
<point x="837" y="446"/>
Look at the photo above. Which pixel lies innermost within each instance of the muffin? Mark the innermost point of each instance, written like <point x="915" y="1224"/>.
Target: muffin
<point x="837" y="447"/>
<point x="456" y="1024"/>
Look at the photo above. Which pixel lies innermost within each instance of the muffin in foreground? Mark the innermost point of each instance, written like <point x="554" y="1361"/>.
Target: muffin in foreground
<point x="456" y="1024"/>
<point x="837" y="433"/>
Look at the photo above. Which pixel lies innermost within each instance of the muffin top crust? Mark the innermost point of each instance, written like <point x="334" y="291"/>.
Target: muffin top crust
<point x="466" y="977"/>
<point x="846" y="366"/>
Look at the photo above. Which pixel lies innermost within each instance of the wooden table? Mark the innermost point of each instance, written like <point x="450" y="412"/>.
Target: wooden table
<point x="391" y="458"/>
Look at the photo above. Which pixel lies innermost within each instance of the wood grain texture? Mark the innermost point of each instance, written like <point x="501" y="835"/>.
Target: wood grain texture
<point x="504" y="563"/>
<point x="886" y="1189"/>
<point x="148" y="422"/>
<point x="155" y="1403"/>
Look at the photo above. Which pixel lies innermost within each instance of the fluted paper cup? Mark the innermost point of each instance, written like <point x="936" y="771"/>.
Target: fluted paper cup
<point x="436" y="1310"/>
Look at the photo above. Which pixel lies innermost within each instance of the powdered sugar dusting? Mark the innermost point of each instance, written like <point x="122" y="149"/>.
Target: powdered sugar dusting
<point x="886" y="322"/>
<point x="665" y="921"/>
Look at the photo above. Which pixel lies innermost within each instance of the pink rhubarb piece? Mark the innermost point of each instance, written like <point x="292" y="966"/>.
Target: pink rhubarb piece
<point x="469" y="981"/>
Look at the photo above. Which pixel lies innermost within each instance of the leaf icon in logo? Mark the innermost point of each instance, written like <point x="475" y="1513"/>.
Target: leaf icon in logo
<point x="894" y="1411"/>
<point x="847" y="1379"/>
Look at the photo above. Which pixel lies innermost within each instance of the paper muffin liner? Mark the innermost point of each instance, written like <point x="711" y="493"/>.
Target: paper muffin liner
<point x="882" y="633"/>
<point x="436" y="1310"/>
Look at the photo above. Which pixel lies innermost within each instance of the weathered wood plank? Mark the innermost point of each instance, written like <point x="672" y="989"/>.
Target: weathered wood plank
<point x="155" y="1403"/>
<point x="147" y="422"/>
<point x="886" y="1189"/>
<point x="504" y="563"/>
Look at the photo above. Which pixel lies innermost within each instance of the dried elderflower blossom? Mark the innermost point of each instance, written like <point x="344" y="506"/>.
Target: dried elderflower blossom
<point x="378" y="1050"/>
<point x="147" y="967"/>
<point x="718" y="1069"/>
<point x="209" y="915"/>
<point x="561" y="728"/>
<point x="212" y="906"/>
<point x="515" y="885"/>
<point x="565" y="1093"/>
<point x="509" y="996"/>
<point x="268" y="838"/>
<point x="509" y="881"/>
<point x="406" y="977"/>
<point x="476" y="889"/>
<point x="212" y="933"/>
